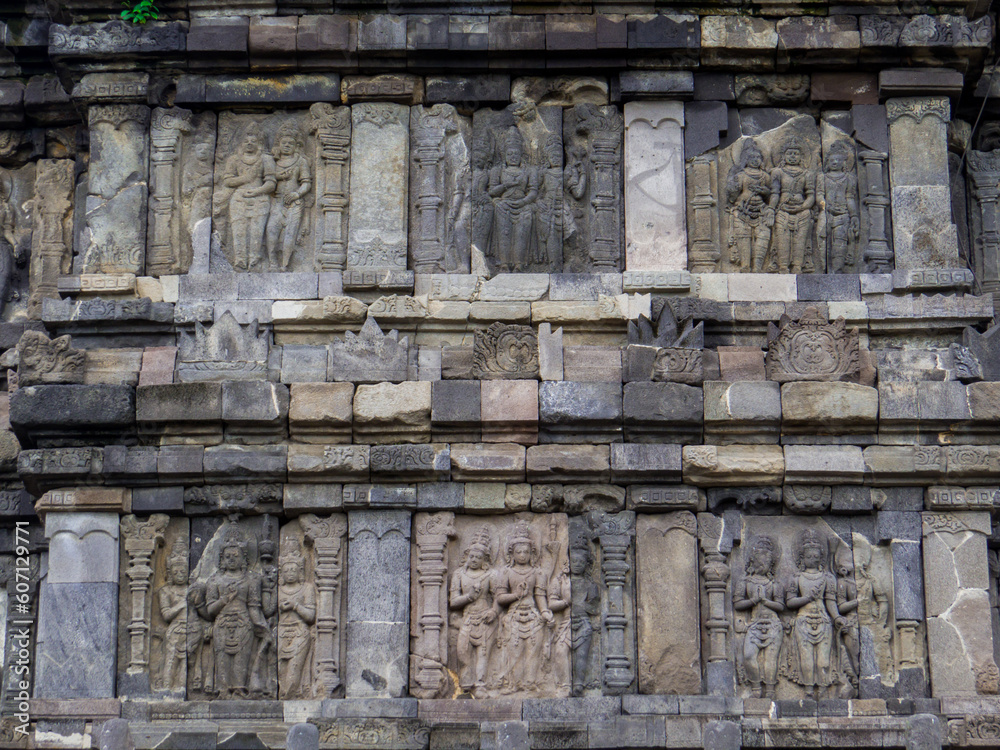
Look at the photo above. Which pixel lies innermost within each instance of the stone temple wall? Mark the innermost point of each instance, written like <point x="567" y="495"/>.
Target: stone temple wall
<point x="502" y="375"/>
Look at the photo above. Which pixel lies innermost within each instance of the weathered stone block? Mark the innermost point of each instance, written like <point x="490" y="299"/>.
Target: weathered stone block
<point x="742" y="412"/>
<point x="321" y="412"/>
<point x="824" y="464"/>
<point x="733" y="465"/>
<point x="509" y="411"/>
<point x="493" y="462"/>
<point x="568" y="463"/>
<point x="663" y="412"/>
<point x="387" y="413"/>
<point x="828" y="409"/>
<point x="573" y="412"/>
<point x="455" y="410"/>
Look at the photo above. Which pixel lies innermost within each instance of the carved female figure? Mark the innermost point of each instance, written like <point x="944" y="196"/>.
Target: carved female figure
<point x="837" y="188"/>
<point x="560" y="597"/>
<point x="521" y="588"/>
<point x="248" y="181"/>
<point x="586" y="606"/>
<point x="847" y="607"/>
<point x="296" y="615"/>
<point x="232" y="601"/>
<point x="473" y="592"/>
<point x="750" y="217"/>
<point x="873" y="613"/>
<point x="513" y="188"/>
<point x="764" y="597"/>
<point x="549" y="207"/>
<point x="793" y="195"/>
<point x="173" y="601"/>
<point x="482" y="203"/>
<point x="813" y="593"/>
<point x="285" y="226"/>
<point x="196" y="187"/>
<point x="199" y="642"/>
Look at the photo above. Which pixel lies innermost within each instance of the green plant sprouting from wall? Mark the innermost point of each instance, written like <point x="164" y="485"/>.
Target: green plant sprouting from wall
<point x="142" y="11"/>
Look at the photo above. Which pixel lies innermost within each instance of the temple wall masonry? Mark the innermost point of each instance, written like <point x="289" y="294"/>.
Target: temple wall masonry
<point x="512" y="375"/>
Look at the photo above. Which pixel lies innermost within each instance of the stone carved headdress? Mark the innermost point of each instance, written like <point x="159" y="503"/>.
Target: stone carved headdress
<point x="291" y="130"/>
<point x="232" y="537"/>
<point x="178" y="557"/>
<point x="811" y="539"/>
<point x="521" y="532"/>
<point x="763" y="544"/>
<point x="481" y="542"/>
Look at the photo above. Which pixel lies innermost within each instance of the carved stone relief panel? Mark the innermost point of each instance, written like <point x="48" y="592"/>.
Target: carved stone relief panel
<point x="380" y="145"/>
<point x="600" y="575"/>
<point x="52" y="230"/>
<point x="889" y="645"/>
<point x="224" y="350"/>
<point x="795" y="610"/>
<point x="440" y="190"/>
<point x="181" y="180"/>
<point x="812" y="349"/>
<point x="17" y="187"/>
<point x="153" y="604"/>
<point x="593" y="218"/>
<point x="668" y="603"/>
<point x="517" y="189"/>
<point x="114" y="240"/>
<point x="311" y="607"/>
<point x="332" y="127"/>
<point x="838" y="216"/>
<point x="232" y="650"/>
<point x="491" y="606"/>
<point x="265" y="193"/>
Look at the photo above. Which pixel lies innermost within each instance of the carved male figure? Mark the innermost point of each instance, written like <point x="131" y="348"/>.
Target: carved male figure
<point x="286" y="227"/>
<point x="793" y="195"/>
<point x="296" y="615"/>
<point x="748" y="190"/>
<point x="172" y="599"/>
<point x="873" y="613"/>
<point x="549" y="208"/>
<point x="248" y="181"/>
<point x="199" y="641"/>
<point x="838" y="189"/>
<point x="473" y="591"/>
<point x="586" y="606"/>
<point x="813" y="594"/>
<point x="232" y="602"/>
<point x="560" y="647"/>
<point x="196" y="187"/>
<point x="521" y="589"/>
<point x="513" y="188"/>
<point x="763" y="597"/>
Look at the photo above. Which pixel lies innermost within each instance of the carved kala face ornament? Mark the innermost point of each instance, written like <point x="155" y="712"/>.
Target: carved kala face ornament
<point x="812" y="349"/>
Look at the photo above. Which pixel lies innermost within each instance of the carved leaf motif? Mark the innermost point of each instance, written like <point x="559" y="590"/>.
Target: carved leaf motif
<point x="812" y="349"/>
<point x="150" y="529"/>
<point x="506" y="351"/>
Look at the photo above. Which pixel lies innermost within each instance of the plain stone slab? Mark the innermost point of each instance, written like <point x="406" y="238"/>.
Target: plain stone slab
<point x="593" y="410"/>
<point x="824" y="464"/>
<point x="276" y="286"/>
<point x="763" y="287"/>
<point x="83" y="547"/>
<point x="583" y="286"/>
<point x="650" y="704"/>
<point x="303" y="737"/>
<point x="76" y="626"/>
<point x="147" y="500"/>
<point x="440" y="496"/>
<point x="594" y="708"/>
<point x="827" y="287"/>
<point x="640" y="462"/>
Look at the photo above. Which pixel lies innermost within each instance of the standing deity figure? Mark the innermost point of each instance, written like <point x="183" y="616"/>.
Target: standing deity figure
<point x="296" y="615"/>
<point x="9" y="251"/>
<point x="172" y="599"/>
<point x="473" y="592"/>
<point x="748" y="190"/>
<point x="247" y="184"/>
<point x="813" y="594"/>
<point x="482" y="203"/>
<point x="513" y="188"/>
<point x="549" y="207"/>
<point x="847" y="607"/>
<point x="521" y="589"/>
<point x="232" y="601"/>
<point x="287" y="223"/>
<point x="560" y="647"/>
<point x="763" y="596"/>
<point x="873" y="613"/>
<point x="586" y="606"/>
<point x="837" y="188"/>
<point x="793" y="195"/>
<point x="201" y="661"/>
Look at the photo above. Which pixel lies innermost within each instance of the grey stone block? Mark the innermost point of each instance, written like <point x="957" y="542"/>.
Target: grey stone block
<point x="304" y="364"/>
<point x="255" y="407"/>
<point x="571" y="412"/>
<point x="645" y="462"/>
<point x="650" y="704"/>
<point x="595" y="708"/>
<point x="83" y="548"/>
<point x="380" y="496"/>
<point x="819" y="287"/>
<point x="907" y="581"/>
<point x="76" y="625"/>
<point x="181" y="463"/>
<point x="179" y="402"/>
<point x="723" y="735"/>
<point x="851" y="498"/>
<point x="157" y="500"/>
<point x="702" y="704"/>
<point x="115" y="735"/>
<point x="363" y="708"/>
<point x="303" y="737"/>
<point x="214" y="286"/>
<point x="793" y="708"/>
<point x="663" y="412"/>
<point x="901" y="525"/>
<point x="656" y="84"/>
<point x="583" y="286"/>
<point x="440" y="495"/>
<point x="69" y="408"/>
<point x="312" y="498"/>
<point x="265" y="463"/>
<point x="833" y="707"/>
<point x="377" y="656"/>
<point x="720" y="676"/>
<point x="899" y="498"/>
<point x="924" y="732"/>
<point x="704" y="124"/>
<point x="456" y="409"/>
<point x="379" y="545"/>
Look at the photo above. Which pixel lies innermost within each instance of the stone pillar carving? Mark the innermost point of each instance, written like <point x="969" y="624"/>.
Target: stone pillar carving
<point x="142" y="538"/>
<point x="164" y="135"/>
<point x="440" y="185"/>
<point x="655" y="232"/>
<point x="615" y="532"/>
<point x="984" y="172"/>
<point x="380" y="146"/>
<point x="703" y="218"/>
<point x="959" y="630"/>
<point x="923" y="233"/>
<point x="326" y="536"/>
<point x="668" y="611"/>
<point x="51" y="237"/>
<point x="876" y="211"/>
<point x="114" y="240"/>
<point x="430" y="648"/>
<point x="332" y="126"/>
<point x="715" y="575"/>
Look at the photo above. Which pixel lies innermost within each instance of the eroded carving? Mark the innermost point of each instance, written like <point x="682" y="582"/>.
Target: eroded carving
<point x="332" y="127"/>
<point x="505" y="351"/>
<point x="839" y="222"/>
<point x="370" y="355"/>
<point x="812" y="349"/>
<point x="225" y="350"/>
<point x="51" y="237"/>
<point x="43" y="361"/>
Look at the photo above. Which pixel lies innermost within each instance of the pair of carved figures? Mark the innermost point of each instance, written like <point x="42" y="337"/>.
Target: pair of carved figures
<point x="804" y="629"/>
<point x="514" y="633"/>
<point x="264" y="198"/>
<point x="518" y="212"/>
<point x="791" y="219"/>
<point x="244" y="630"/>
